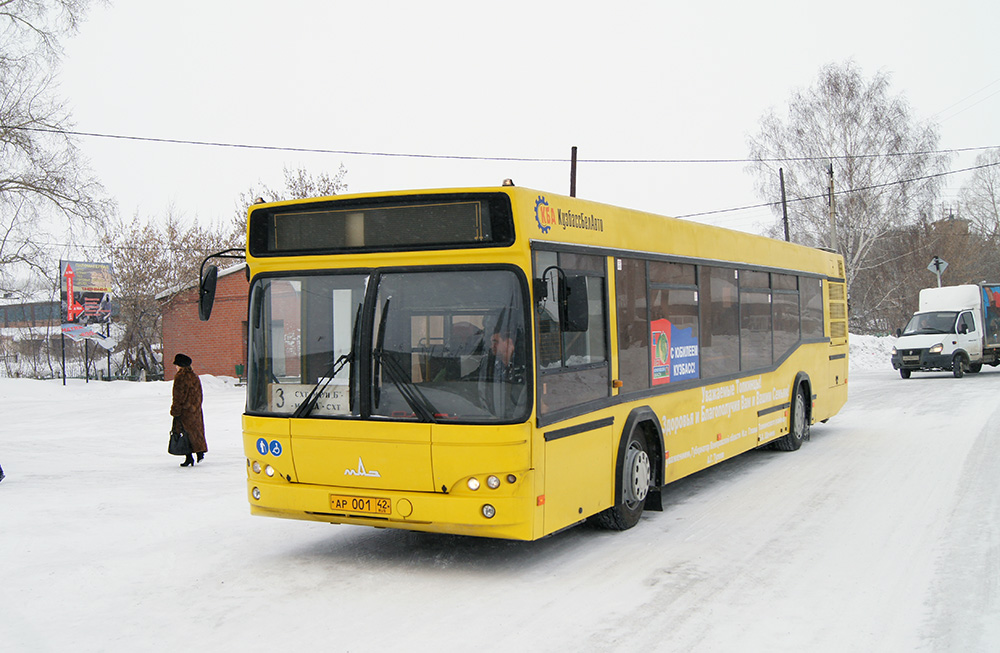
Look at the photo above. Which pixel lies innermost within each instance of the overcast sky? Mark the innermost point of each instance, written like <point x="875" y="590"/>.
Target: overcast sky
<point x="624" y="80"/>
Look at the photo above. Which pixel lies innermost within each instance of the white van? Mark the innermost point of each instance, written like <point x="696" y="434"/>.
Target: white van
<point x="957" y="328"/>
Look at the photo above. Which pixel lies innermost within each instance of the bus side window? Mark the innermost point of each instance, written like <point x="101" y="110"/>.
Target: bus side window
<point x="572" y="365"/>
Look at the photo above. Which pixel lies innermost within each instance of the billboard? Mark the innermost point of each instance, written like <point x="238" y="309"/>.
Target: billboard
<point x="86" y="300"/>
<point x="86" y="292"/>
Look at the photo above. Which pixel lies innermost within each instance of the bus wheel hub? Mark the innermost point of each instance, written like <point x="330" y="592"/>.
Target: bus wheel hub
<point x="638" y="476"/>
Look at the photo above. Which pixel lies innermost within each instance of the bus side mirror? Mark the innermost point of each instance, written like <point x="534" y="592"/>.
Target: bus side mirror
<point x="206" y="293"/>
<point x="574" y="308"/>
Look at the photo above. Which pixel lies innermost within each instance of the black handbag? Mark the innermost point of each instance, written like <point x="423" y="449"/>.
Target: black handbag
<point x="179" y="444"/>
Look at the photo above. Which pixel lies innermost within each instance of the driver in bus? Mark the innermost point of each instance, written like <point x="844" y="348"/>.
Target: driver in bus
<point x="507" y="371"/>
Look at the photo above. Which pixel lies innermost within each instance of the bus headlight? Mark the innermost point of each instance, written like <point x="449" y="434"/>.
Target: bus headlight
<point x="492" y="482"/>
<point x="269" y="470"/>
<point x="489" y="511"/>
<point x="936" y="349"/>
<point x="473" y="483"/>
<point x="255" y="493"/>
<point x="255" y="467"/>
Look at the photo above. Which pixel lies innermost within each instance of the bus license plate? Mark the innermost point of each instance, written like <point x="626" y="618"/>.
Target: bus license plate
<point x="368" y="505"/>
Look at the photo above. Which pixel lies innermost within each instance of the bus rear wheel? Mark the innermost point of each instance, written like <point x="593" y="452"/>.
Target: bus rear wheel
<point x="798" y="430"/>
<point x="635" y="479"/>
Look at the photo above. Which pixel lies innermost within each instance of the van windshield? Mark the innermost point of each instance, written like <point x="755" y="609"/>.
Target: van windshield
<point x="936" y="322"/>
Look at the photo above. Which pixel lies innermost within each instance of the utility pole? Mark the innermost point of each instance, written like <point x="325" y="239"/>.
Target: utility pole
<point x="784" y="202"/>
<point x="834" y="245"/>
<point x="572" y="172"/>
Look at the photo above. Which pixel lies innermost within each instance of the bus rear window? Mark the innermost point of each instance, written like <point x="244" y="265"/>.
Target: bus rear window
<point x="382" y="224"/>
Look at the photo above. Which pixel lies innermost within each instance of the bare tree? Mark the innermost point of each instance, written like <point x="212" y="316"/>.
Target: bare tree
<point x="44" y="185"/>
<point x="149" y="257"/>
<point x="299" y="184"/>
<point x="882" y="160"/>
<point x="979" y="199"/>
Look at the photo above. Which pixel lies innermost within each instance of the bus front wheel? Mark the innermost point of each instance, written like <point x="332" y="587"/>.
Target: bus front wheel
<point x="635" y="478"/>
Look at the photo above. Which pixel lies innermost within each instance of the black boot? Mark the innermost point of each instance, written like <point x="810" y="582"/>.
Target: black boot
<point x="201" y="456"/>
<point x="188" y="461"/>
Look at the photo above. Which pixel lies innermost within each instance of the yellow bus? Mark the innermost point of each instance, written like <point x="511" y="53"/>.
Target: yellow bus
<point x="507" y="363"/>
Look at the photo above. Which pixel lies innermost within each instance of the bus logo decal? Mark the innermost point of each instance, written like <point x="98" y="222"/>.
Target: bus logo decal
<point x="361" y="471"/>
<point x="544" y="215"/>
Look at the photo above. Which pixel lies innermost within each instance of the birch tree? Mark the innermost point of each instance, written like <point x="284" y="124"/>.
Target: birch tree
<point x="979" y="199"/>
<point x="883" y="163"/>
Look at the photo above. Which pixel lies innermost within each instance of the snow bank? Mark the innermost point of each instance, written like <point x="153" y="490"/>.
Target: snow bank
<point x="870" y="352"/>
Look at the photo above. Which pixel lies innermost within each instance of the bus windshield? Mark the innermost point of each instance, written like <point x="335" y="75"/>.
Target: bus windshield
<point x="437" y="346"/>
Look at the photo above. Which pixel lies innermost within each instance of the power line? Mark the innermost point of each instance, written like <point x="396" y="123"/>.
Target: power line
<point x="971" y="95"/>
<point x="841" y="192"/>
<point x="459" y="157"/>
<point x="748" y="207"/>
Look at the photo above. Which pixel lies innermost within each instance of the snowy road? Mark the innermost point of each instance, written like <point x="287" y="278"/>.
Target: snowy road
<point x="882" y="533"/>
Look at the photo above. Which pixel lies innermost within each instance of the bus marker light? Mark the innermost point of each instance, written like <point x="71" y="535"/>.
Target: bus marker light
<point x="256" y="493"/>
<point x="489" y="511"/>
<point x="492" y="482"/>
<point x="540" y="501"/>
<point x="511" y="479"/>
<point x="473" y="483"/>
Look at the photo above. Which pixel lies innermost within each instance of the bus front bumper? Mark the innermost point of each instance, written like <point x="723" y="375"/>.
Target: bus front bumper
<point x="482" y="513"/>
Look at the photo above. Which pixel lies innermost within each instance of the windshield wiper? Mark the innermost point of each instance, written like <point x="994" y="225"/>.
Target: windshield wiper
<point x="409" y="391"/>
<point x="309" y="402"/>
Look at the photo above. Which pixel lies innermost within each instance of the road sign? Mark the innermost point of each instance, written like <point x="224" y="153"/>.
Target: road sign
<point x="937" y="265"/>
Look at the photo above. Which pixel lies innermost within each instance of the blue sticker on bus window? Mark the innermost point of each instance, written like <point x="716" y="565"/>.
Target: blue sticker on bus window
<point x="275" y="448"/>
<point x="673" y="352"/>
<point x="262" y="446"/>
<point x="683" y="354"/>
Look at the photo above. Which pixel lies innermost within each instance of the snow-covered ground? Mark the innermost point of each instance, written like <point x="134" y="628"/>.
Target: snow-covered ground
<point x="881" y="534"/>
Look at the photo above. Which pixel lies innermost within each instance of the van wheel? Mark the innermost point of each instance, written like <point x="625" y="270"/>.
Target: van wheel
<point x="798" y="430"/>
<point x="974" y="368"/>
<point x="635" y="480"/>
<point x="904" y="373"/>
<point x="958" y="366"/>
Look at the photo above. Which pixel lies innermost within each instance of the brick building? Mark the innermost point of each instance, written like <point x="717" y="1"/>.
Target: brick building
<point x="218" y="346"/>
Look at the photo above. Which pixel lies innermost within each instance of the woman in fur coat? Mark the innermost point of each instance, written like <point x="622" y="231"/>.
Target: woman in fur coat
<point x="186" y="406"/>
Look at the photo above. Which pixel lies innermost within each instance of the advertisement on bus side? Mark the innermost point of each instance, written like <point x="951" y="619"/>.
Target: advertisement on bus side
<point x="674" y="352"/>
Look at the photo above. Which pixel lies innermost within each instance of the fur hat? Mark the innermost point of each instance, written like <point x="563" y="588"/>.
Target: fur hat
<point x="182" y="360"/>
